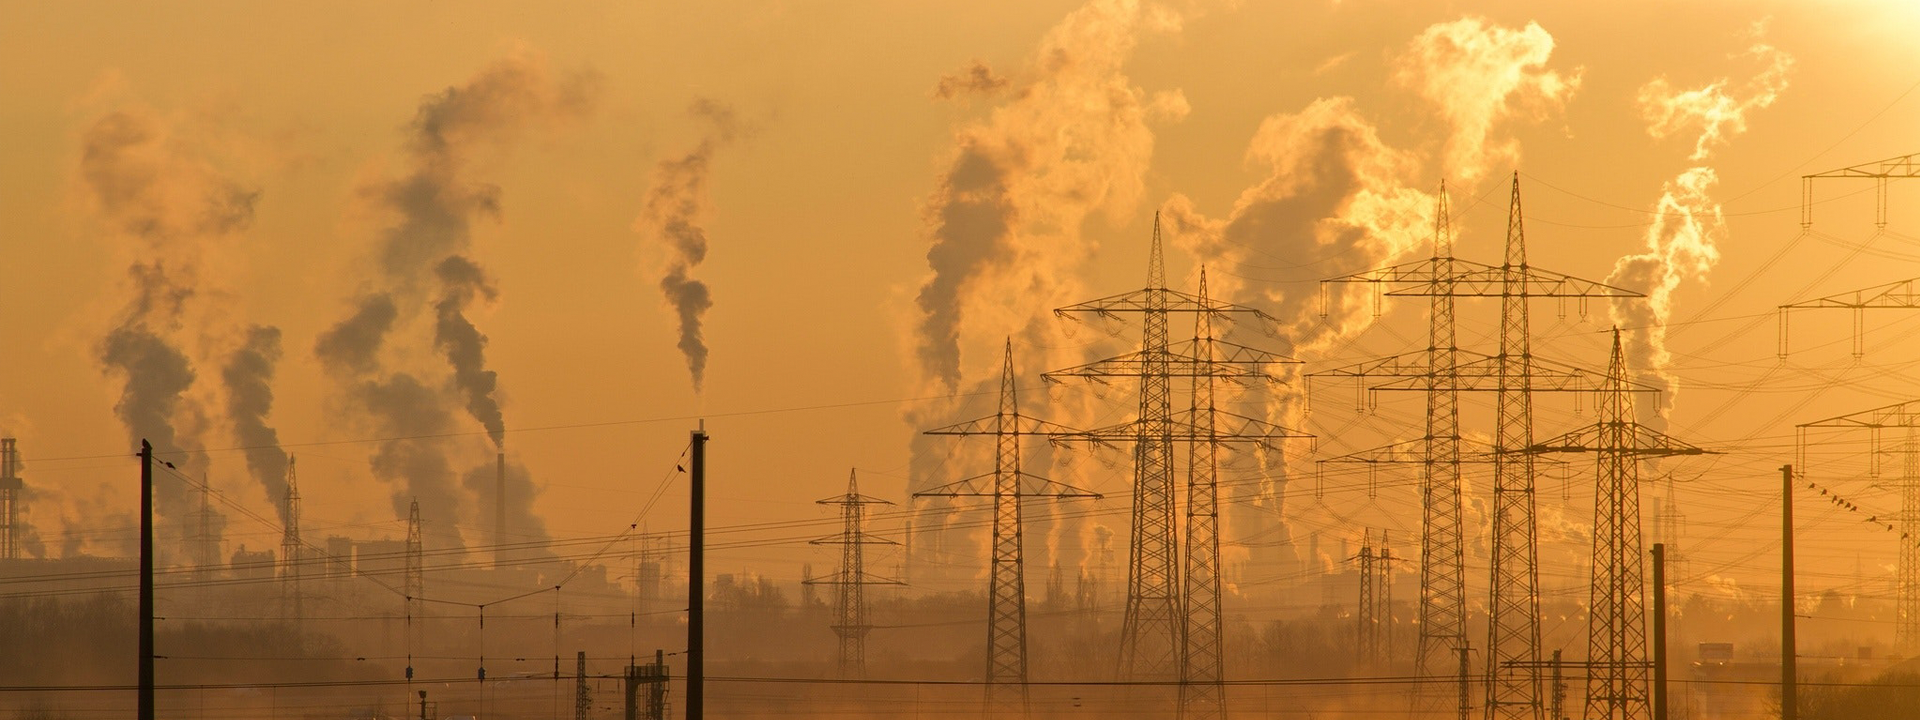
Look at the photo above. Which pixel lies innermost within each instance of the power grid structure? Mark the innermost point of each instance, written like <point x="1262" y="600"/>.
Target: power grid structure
<point x="290" y="589"/>
<point x="12" y="492"/>
<point x="1373" y="619"/>
<point x="1899" y="295"/>
<point x="1157" y="643"/>
<point x="850" y="581"/>
<point x="415" y="585"/>
<point x="1008" y="486"/>
<point x="1902" y="416"/>
<point x="1617" y="664"/>
<point x="1513" y="649"/>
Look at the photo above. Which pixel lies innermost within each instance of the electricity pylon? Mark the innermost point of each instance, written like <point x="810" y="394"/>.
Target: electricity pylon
<point x="1008" y="485"/>
<point x="12" y="491"/>
<point x="1441" y="371"/>
<point x="1152" y="646"/>
<point x="290" y="546"/>
<point x="415" y="581"/>
<point x="1881" y="172"/>
<point x="1617" y="664"/>
<point x="850" y="599"/>
<point x="1906" y="416"/>
<point x="1375" y="615"/>
<point x="1899" y="295"/>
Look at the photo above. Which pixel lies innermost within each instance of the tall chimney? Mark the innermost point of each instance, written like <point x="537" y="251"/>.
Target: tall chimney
<point x="500" y="508"/>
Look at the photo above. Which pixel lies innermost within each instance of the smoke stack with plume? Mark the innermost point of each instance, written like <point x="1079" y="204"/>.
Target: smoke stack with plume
<point x="1072" y="136"/>
<point x="1688" y="225"/>
<point x="429" y="242"/>
<point x="674" y="215"/>
<point x="1479" y="75"/>
<point x="248" y="377"/>
<point x="1341" y="200"/>
<point x="170" y="205"/>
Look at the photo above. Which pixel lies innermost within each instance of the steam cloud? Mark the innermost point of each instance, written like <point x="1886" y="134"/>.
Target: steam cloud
<point x="673" y="215"/>
<point x="1479" y="75"/>
<point x="170" y="205"/>
<point x="1073" y="136"/>
<point x="1688" y="225"/>
<point x="427" y="270"/>
<point x="1337" y="199"/>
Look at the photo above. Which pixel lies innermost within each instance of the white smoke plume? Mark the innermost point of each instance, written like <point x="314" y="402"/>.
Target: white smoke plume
<point x="1338" y="199"/>
<point x="675" y="209"/>
<point x="1480" y="75"/>
<point x="1334" y="193"/>
<point x="1074" y="137"/>
<point x="1688" y="226"/>
<point x="428" y="276"/>
<point x="1070" y="135"/>
<point x="169" y="207"/>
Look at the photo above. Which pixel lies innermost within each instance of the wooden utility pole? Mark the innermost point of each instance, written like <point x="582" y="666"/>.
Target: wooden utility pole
<point x="696" y="576"/>
<point x="1659" y="631"/>
<point x="1789" y="660"/>
<point x="146" y="705"/>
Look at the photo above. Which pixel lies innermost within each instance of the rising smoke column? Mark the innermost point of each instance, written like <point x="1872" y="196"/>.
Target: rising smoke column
<point x="673" y="216"/>
<point x="248" y="377"/>
<point x="1337" y="199"/>
<point x="1070" y="135"/>
<point x="1478" y="76"/>
<point x="1687" y="226"/>
<point x="170" y="207"/>
<point x="427" y="275"/>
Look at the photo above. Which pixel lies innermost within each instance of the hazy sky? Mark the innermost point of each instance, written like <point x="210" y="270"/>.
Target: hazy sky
<point x="287" y="165"/>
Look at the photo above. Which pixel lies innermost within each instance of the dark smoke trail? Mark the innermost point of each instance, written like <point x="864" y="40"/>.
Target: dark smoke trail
<point x="249" y="380"/>
<point x="464" y="345"/>
<point x="434" y="205"/>
<point x="673" y="215"/>
<point x="170" y="205"/>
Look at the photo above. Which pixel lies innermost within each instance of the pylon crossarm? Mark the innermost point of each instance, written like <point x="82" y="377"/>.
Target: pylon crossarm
<point x="1161" y="300"/>
<point x="990" y="425"/>
<point x="1904" y="166"/>
<point x="1418" y="271"/>
<point x="1174" y="361"/>
<point x="1902" y="414"/>
<point x="1411" y="452"/>
<point x="1640" y="440"/>
<point x="860" y="539"/>
<point x="1899" y="295"/>
<point x="1472" y="279"/>
<point x="1407" y="364"/>
<point x="1031" y="485"/>
<point x="853" y="499"/>
<point x="1483" y="374"/>
<point x="863" y="579"/>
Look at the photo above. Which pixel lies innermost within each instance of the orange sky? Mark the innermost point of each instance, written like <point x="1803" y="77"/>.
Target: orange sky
<point x="818" y="214"/>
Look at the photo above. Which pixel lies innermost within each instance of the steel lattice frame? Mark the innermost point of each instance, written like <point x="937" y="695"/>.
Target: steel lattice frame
<point x="1905" y="415"/>
<point x="1440" y="372"/>
<point x="850" y="581"/>
<point x="1154" y="635"/>
<point x="290" y="546"/>
<point x="1008" y="486"/>
<point x="1617" y="662"/>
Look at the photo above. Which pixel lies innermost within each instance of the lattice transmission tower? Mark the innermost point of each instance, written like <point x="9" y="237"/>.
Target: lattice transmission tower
<point x="415" y="581"/>
<point x="12" y="493"/>
<point x="1617" y="664"/>
<point x="1374" y="617"/>
<point x="1157" y="642"/>
<point x="290" y="547"/>
<point x="1008" y="486"/>
<point x="1900" y="295"/>
<point x="1904" y="416"/>
<point x="1443" y="370"/>
<point x="851" y="580"/>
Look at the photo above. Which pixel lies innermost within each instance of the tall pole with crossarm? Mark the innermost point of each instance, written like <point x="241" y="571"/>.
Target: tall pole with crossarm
<point x="1008" y="485"/>
<point x="849" y="584"/>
